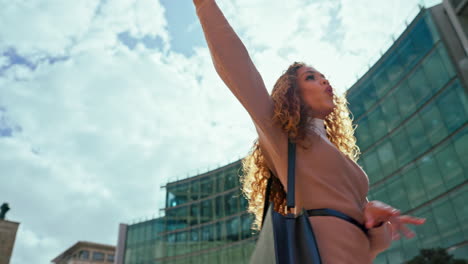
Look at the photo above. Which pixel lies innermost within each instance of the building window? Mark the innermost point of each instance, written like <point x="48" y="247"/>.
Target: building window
<point x="194" y="237"/>
<point x="233" y="228"/>
<point x="206" y="210"/>
<point x="99" y="256"/>
<point x="451" y="107"/>
<point x="364" y="136"/>
<point x="110" y="258"/>
<point x="84" y="254"/>
<point x="372" y="165"/>
<point x="231" y="180"/>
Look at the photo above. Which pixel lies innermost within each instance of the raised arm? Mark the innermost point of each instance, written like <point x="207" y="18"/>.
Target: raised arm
<point x="232" y="62"/>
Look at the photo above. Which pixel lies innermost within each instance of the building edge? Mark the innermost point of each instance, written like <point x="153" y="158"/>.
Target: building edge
<point x="120" y="250"/>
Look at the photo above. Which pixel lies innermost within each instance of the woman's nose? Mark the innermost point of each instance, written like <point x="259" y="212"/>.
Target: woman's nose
<point x="325" y="81"/>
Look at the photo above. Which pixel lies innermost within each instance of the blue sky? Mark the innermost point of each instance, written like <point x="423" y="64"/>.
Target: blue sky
<point x="103" y="102"/>
<point x="184" y="31"/>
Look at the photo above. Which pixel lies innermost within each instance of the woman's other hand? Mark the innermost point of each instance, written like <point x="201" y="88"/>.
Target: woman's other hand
<point x="376" y="213"/>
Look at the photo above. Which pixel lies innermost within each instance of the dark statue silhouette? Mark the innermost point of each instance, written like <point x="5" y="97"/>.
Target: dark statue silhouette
<point x="4" y="209"/>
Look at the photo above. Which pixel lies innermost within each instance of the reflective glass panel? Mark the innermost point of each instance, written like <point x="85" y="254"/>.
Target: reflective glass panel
<point x="398" y="197"/>
<point x="372" y="166"/>
<point x="446" y="222"/>
<point x="450" y="165"/>
<point x="433" y="123"/>
<point x="435" y="71"/>
<point x="431" y="175"/>
<point x="401" y="143"/>
<point x="460" y="142"/>
<point x="377" y="123"/>
<point x="413" y="183"/>
<point x="390" y="111"/>
<point x="417" y="136"/>
<point x="405" y="99"/>
<point x="381" y="82"/>
<point x="419" y="86"/>
<point x="459" y="199"/>
<point x="369" y="95"/>
<point x="386" y="157"/>
<point x="428" y="233"/>
<point x="363" y="134"/>
<point x="451" y="108"/>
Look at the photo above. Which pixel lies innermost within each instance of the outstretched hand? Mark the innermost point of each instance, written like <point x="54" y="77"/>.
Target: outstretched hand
<point x="376" y="213"/>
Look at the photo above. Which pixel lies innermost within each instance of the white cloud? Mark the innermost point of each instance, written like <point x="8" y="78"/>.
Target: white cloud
<point x="50" y="28"/>
<point x="30" y="239"/>
<point x="110" y="126"/>
<point x="33" y="27"/>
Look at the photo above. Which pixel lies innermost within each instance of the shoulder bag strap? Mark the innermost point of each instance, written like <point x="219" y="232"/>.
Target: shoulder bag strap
<point x="290" y="197"/>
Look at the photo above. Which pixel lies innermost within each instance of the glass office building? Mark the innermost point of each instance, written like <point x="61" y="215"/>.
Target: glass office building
<point x="205" y="222"/>
<point x="411" y="109"/>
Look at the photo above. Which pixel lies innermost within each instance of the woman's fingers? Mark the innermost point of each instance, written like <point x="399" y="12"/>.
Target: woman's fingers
<point x="385" y="210"/>
<point x="407" y="219"/>
<point x="401" y="228"/>
<point x="395" y="225"/>
<point x="379" y="205"/>
<point x="399" y="225"/>
<point x="378" y="212"/>
<point x="406" y="231"/>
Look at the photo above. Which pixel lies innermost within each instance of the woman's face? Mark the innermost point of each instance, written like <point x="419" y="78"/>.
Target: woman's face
<point x="316" y="91"/>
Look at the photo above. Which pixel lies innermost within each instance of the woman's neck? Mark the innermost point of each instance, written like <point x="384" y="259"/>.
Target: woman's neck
<point x="318" y="125"/>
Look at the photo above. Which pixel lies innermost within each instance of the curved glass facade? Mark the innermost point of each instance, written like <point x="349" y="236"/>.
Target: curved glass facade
<point x="411" y="110"/>
<point x="205" y="222"/>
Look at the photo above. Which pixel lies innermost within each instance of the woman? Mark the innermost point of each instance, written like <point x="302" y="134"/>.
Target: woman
<point x="304" y="108"/>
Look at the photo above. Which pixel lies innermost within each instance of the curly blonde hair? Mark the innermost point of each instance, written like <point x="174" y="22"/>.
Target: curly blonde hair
<point x="291" y="113"/>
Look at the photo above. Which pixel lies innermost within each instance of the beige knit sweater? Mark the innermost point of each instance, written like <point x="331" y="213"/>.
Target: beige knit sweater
<point x="325" y="177"/>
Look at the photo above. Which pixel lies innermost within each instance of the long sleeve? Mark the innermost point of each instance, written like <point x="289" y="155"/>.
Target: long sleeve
<point x="235" y="67"/>
<point x="380" y="238"/>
